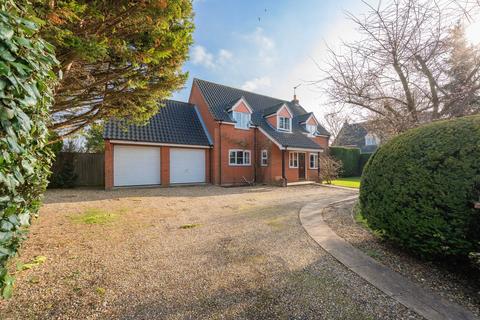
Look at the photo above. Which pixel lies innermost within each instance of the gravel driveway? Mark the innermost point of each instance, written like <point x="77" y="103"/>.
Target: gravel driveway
<point x="186" y="253"/>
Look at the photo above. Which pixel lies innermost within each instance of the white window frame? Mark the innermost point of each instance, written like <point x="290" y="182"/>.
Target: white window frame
<point x="238" y="124"/>
<point x="315" y="161"/>
<point x="264" y="158"/>
<point x="236" y="164"/>
<point x="293" y="160"/>
<point x="289" y="123"/>
<point x="311" y="128"/>
<point x="371" y="139"/>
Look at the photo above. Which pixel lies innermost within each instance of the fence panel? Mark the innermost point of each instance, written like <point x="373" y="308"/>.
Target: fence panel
<point x="88" y="166"/>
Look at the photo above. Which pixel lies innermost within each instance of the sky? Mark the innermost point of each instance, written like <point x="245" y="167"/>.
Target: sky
<point x="269" y="46"/>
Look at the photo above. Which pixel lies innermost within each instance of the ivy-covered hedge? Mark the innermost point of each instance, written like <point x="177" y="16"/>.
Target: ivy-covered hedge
<point x="418" y="189"/>
<point x="350" y="159"/>
<point x="25" y="80"/>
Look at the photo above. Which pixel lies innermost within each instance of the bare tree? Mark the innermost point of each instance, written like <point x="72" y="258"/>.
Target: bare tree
<point x="398" y="70"/>
<point x="333" y="120"/>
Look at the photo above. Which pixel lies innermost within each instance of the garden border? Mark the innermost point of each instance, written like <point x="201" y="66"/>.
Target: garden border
<point x="424" y="302"/>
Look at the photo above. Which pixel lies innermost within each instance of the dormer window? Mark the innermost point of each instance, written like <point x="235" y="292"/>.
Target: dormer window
<point x="242" y="119"/>
<point x="284" y="123"/>
<point x="371" y="140"/>
<point x="311" y="128"/>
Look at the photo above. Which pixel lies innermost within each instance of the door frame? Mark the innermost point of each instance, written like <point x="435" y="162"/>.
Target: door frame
<point x="304" y="165"/>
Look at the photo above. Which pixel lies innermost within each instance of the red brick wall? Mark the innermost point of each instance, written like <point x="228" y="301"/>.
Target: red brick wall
<point x="284" y="113"/>
<point x="312" y="121"/>
<point x="233" y="138"/>
<point x="213" y="129"/>
<point x="165" y="166"/>
<point x="272" y="120"/>
<point x="108" y="165"/>
<point x="242" y="108"/>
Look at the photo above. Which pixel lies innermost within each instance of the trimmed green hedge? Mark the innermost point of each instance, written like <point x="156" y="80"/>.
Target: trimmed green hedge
<point x="25" y="79"/>
<point x="418" y="189"/>
<point x="350" y="158"/>
<point x="363" y="161"/>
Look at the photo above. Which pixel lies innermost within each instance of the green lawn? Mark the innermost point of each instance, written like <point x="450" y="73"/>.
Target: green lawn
<point x="352" y="182"/>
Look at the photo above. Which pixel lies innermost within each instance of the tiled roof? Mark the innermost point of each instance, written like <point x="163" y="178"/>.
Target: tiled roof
<point x="175" y="123"/>
<point x="219" y="96"/>
<point x="353" y="134"/>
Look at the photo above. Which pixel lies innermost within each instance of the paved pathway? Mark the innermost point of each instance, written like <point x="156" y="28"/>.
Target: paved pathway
<point x="425" y="303"/>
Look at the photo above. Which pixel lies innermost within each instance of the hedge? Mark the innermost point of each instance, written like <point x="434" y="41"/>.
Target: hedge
<point x="363" y="161"/>
<point x="418" y="189"/>
<point x="350" y="158"/>
<point x="25" y="80"/>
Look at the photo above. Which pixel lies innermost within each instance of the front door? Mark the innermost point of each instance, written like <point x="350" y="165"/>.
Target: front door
<point x="301" y="166"/>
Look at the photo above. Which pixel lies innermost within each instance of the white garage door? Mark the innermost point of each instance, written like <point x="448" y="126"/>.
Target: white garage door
<point x="187" y="165"/>
<point x="136" y="166"/>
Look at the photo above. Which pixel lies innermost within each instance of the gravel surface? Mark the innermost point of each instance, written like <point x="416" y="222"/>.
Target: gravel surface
<point x="187" y="253"/>
<point x="460" y="286"/>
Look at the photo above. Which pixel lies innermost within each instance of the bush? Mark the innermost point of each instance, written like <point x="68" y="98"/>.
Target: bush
<point x="63" y="172"/>
<point x="25" y="79"/>
<point x="418" y="189"/>
<point x="350" y="159"/>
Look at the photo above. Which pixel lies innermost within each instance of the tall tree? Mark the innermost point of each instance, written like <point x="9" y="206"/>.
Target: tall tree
<point x="462" y="67"/>
<point x="118" y="58"/>
<point x="395" y="71"/>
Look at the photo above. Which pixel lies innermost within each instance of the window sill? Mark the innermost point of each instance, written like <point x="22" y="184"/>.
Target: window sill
<point x="239" y="165"/>
<point x="245" y="129"/>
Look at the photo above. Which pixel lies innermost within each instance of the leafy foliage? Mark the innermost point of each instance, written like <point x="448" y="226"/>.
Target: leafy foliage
<point x="94" y="137"/>
<point x="118" y="58"/>
<point x="418" y="189"/>
<point x="349" y="158"/>
<point x="25" y="79"/>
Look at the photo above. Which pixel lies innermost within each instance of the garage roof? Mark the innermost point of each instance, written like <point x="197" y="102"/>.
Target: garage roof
<point x="175" y="123"/>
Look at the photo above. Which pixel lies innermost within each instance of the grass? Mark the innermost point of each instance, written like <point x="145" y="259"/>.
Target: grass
<point x="351" y="182"/>
<point x="189" y="226"/>
<point x="95" y="216"/>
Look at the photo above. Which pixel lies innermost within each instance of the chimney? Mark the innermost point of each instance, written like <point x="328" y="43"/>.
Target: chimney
<point x="295" y="100"/>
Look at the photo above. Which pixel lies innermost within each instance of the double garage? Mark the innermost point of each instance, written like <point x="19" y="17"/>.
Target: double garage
<point x="138" y="165"/>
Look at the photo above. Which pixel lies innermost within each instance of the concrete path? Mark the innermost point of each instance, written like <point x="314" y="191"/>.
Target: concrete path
<point x="423" y="302"/>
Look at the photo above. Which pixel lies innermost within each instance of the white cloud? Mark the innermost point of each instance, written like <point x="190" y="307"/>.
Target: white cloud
<point x="265" y="45"/>
<point x="224" y="56"/>
<point x="201" y="56"/>
<point x="257" y="83"/>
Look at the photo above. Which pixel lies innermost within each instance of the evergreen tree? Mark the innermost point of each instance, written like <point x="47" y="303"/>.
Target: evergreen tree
<point x="463" y="69"/>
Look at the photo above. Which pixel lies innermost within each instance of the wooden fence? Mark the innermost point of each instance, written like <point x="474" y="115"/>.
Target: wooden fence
<point x="89" y="167"/>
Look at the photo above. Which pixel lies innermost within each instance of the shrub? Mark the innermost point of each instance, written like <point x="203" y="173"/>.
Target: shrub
<point x="349" y="157"/>
<point x="63" y="175"/>
<point x="418" y="189"/>
<point x="25" y="79"/>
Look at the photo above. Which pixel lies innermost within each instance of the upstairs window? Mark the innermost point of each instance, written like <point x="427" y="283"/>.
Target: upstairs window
<point x="242" y="119"/>
<point x="311" y="128"/>
<point x="284" y="123"/>
<point x="264" y="158"/>
<point x="239" y="157"/>
<point x="371" y="140"/>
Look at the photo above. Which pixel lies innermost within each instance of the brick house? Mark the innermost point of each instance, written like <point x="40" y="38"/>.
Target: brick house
<point x="223" y="135"/>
